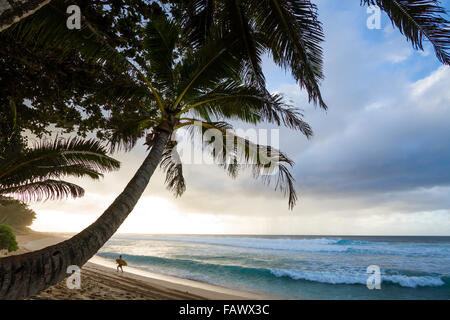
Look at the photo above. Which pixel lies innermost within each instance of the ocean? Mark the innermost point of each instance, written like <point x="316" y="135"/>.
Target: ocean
<point x="296" y="267"/>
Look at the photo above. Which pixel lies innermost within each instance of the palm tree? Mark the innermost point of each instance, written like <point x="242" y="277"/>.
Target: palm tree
<point x="205" y="84"/>
<point x="419" y="20"/>
<point x="33" y="173"/>
<point x="201" y="86"/>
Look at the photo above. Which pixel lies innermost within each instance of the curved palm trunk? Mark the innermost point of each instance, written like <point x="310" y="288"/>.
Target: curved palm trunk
<point x="24" y="275"/>
<point x="12" y="11"/>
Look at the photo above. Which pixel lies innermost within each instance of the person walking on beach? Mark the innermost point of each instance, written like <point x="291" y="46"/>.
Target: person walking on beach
<point x="120" y="263"/>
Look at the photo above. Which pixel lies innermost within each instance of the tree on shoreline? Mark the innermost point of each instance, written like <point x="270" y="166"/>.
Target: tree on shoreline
<point x="7" y="239"/>
<point x="201" y="86"/>
<point x="15" y="213"/>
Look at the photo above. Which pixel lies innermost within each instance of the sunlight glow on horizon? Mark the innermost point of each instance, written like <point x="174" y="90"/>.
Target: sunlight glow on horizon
<point x="152" y="215"/>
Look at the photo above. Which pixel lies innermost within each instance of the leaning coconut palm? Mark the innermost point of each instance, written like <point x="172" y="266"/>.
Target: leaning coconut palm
<point x="419" y="21"/>
<point x="33" y="173"/>
<point x="195" y="90"/>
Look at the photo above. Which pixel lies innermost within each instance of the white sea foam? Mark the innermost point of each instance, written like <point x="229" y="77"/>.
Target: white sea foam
<point x="349" y="278"/>
<point x="315" y="245"/>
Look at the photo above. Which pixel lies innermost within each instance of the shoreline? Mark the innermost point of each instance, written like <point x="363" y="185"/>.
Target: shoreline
<point x="209" y="291"/>
<point x="100" y="280"/>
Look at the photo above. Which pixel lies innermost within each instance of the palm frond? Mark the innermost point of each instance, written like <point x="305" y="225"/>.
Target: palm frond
<point x="235" y="101"/>
<point x="236" y="153"/>
<point x="227" y="101"/>
<point x="241" y="26"/>
<point x="161" y="36"/>
<point x="54" y="159"/>
<point x="419" y="20"/>
<point x="47" y="27"/>
<point x="198" y="20"/>
<point x="124" y="133"/>
<point x="292" y="32"/>
<point x="204" y="68"/>
<point x="47" y="189"/>
<point x="41" y="172"/>
<point x="47" y="30"/>
<point x="171" y="164"/>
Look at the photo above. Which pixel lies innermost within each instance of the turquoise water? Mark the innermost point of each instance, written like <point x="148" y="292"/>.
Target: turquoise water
<point x="296" y="267"/>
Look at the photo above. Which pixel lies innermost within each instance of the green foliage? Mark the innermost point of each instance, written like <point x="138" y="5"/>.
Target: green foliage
<point x="171" y="164"/>
<point x="72" y="80"/>
<point x="291" y="32"/>
<point x="7" y="239"/>
<point x="66" y="77"/>
<point x="33" y="173"/>
<point x="15" y="213"/>
<point x="207" y="82"/>
<point x="29" y="173"/>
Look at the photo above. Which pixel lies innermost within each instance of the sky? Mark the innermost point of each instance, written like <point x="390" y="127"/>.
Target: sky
<point x="378" y="164"/>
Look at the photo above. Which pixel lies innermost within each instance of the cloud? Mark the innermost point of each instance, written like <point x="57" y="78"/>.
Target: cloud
<point x="394" y="144"/>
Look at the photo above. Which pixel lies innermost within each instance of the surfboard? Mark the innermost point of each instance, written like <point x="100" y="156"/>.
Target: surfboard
<point x="121" y="262"/>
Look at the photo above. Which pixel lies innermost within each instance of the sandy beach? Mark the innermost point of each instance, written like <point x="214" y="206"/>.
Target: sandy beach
<point x="101" y="281"/>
